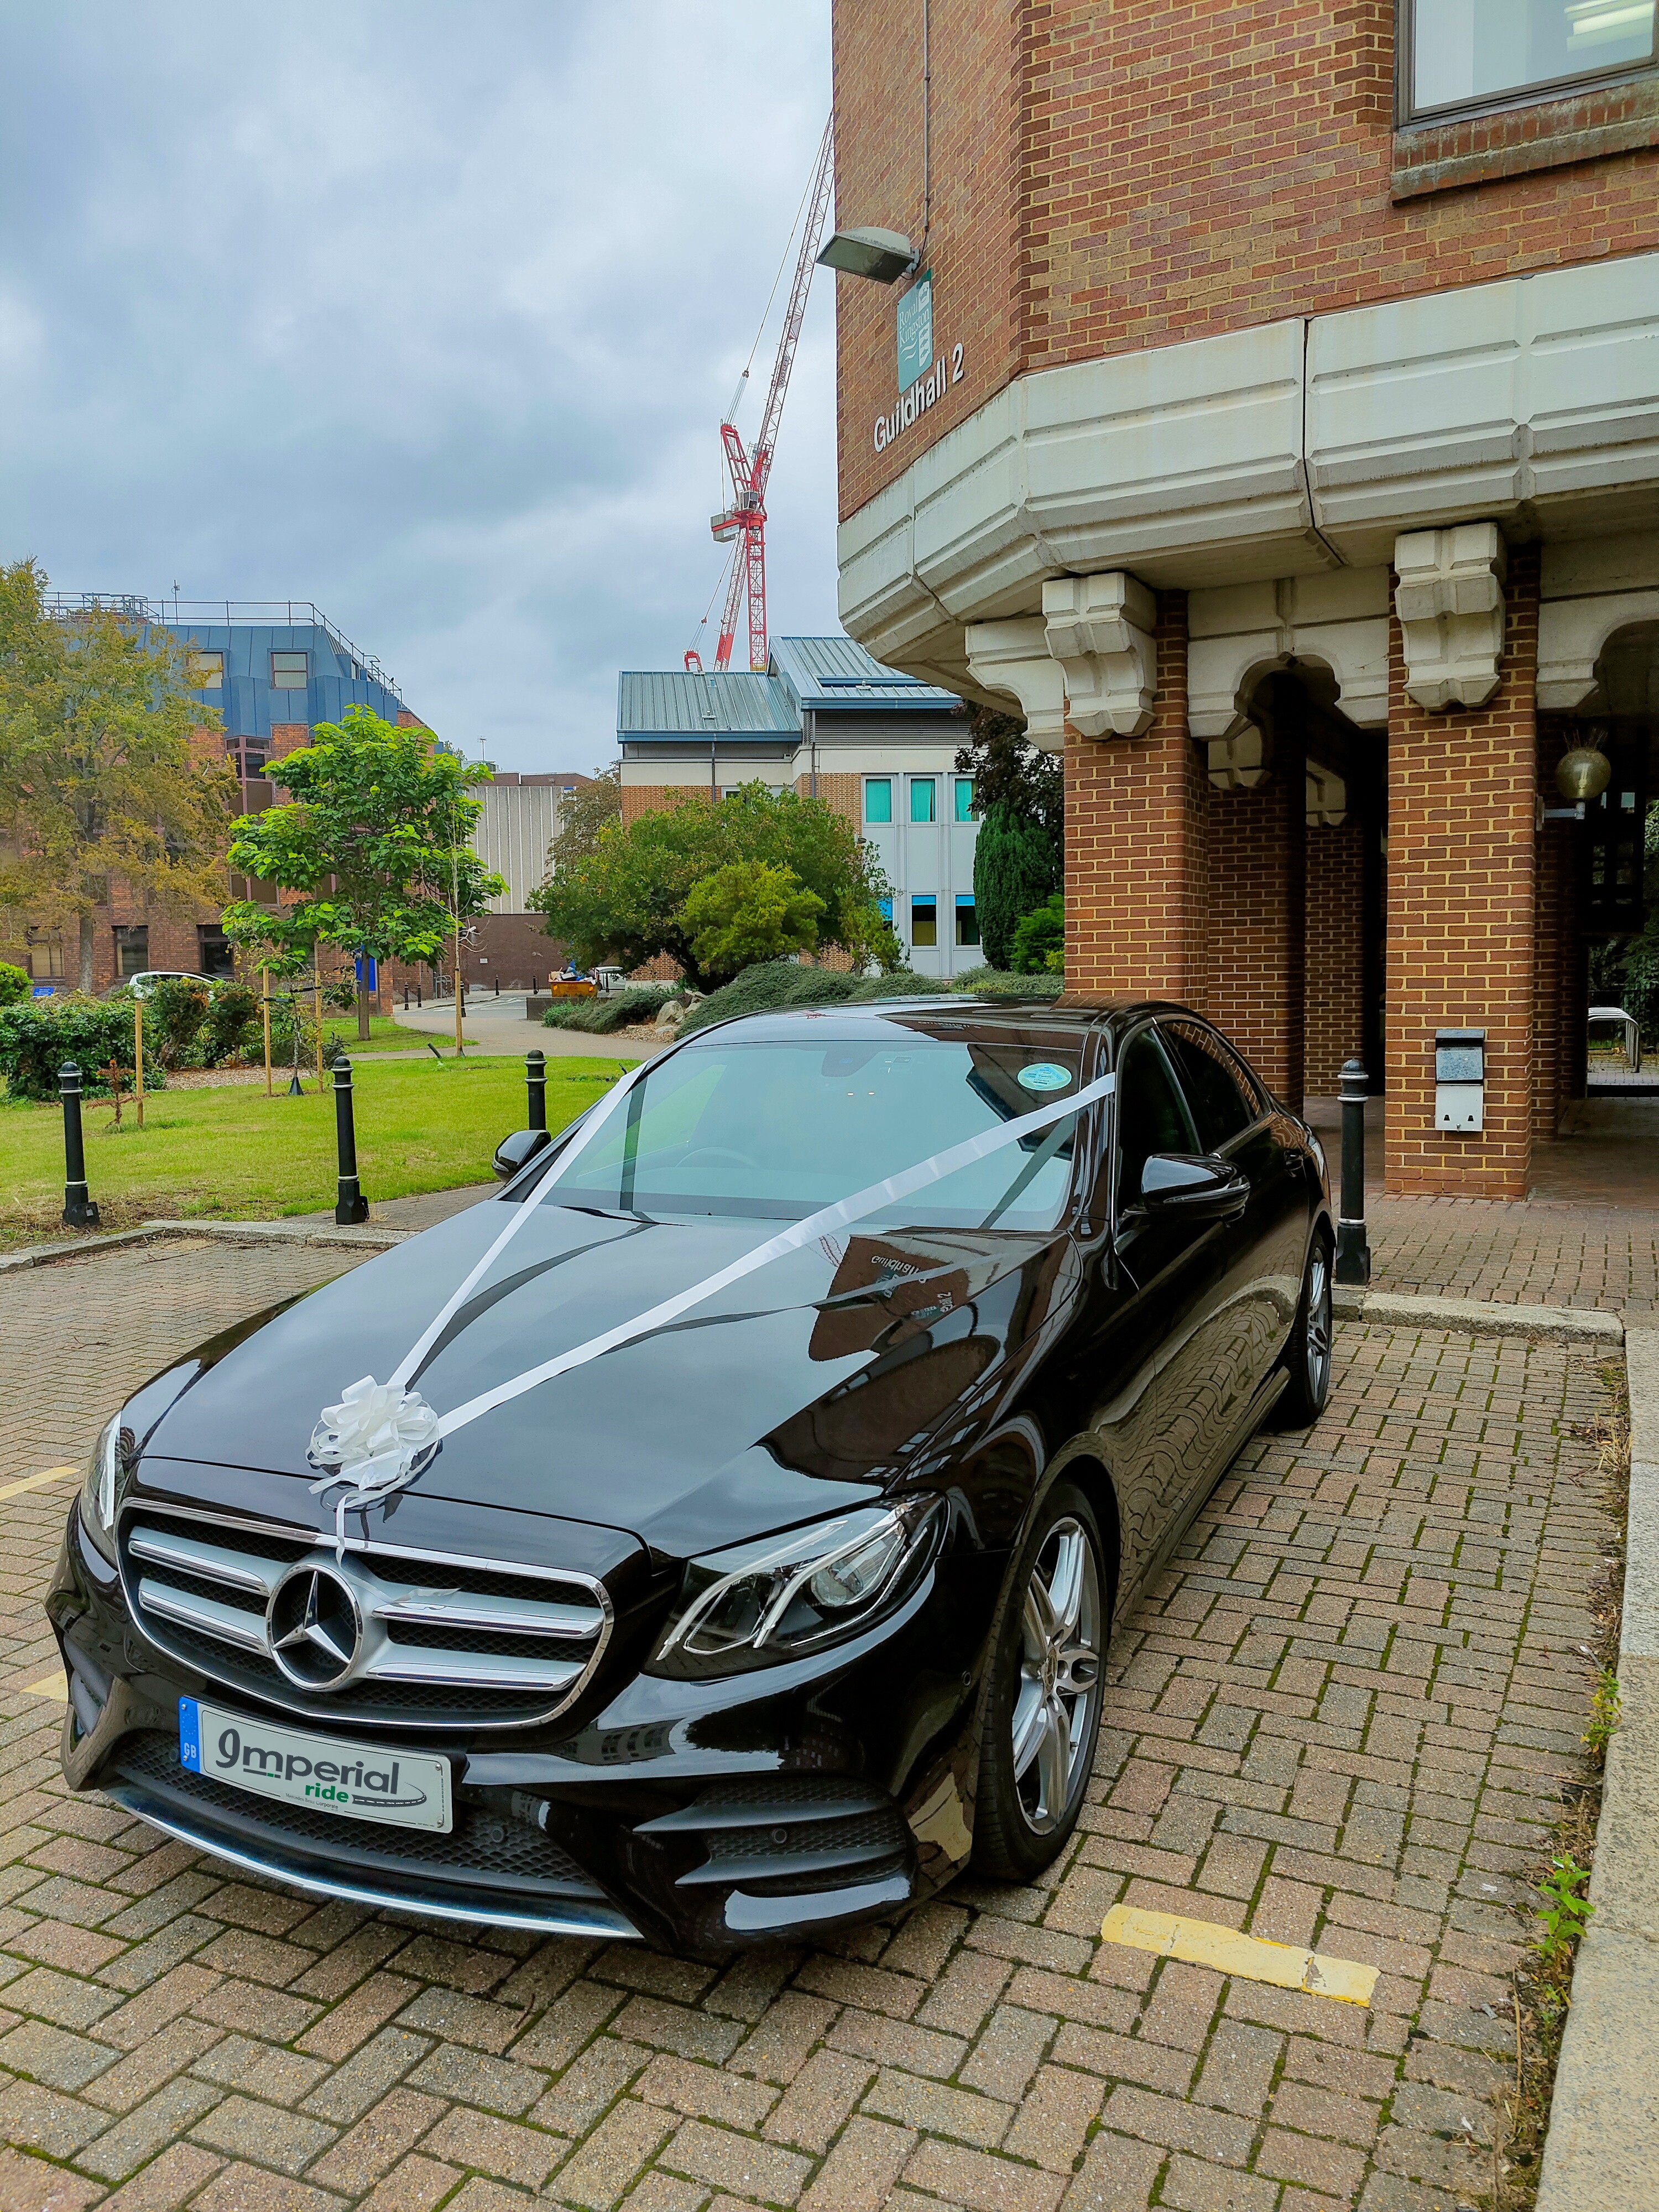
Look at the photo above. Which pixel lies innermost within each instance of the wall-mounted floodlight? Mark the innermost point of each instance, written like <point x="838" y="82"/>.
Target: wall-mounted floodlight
<point x="885" y="256"/>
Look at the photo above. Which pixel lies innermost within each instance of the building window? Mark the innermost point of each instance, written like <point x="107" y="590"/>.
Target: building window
<point x="1474" y="53"/>
<point x="877" y="798"/>
<point x="966" y="920"/>
<point x="45" y="953"/>
<point x="214" y="954"/>
<point x="924" y="921"/>
<point x="288" y="670"/>
<point x="964" y="789"/>
<point x="886" y="906"/>
<point x="132" y="949"/>
<point x="924" y="799"/>
<point x="207" y="669"/>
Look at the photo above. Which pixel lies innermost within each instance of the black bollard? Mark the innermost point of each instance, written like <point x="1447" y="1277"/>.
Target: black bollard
<point x="350" y="1205"/>
<point x="405" y="998"/>
<point x="1353" y="1254"/>
<point x="79" y="1212"/>
<point x="498" y="986"/>
<point x="419" y="1001"/>
<point x="535" y="1076"/>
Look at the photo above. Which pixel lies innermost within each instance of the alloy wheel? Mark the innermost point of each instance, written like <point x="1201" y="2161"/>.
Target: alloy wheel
<point x="1060" y="1675"/>
<point x="1319" y="1327"/>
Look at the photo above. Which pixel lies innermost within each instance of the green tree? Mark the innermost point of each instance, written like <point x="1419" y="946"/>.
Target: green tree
<point x="99" y="779"/>
<point x="1015" y="869"/>
<point x="14" y="984"/>
<point x="373" y="848"/>
<point x="749" y="910"/>
<point x="625" y="901"/>
<point x="590" y="808"/>
<point x="1009" y="771"/>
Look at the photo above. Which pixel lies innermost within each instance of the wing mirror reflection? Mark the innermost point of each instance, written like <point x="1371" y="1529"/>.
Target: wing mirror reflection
<point x="513" y="1151"/>
<point x="1193" y="1187"/>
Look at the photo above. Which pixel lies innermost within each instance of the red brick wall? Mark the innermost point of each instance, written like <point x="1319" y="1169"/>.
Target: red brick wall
<point x="1334" y="1011"/>
<point x="638" y="799"/>
<point x="1136" y="851"/>
<point x="1256" y="911"/>
<point x="1462" y="892"/>
<point x="842" y="794"/>
<point x="1107" y="179"/>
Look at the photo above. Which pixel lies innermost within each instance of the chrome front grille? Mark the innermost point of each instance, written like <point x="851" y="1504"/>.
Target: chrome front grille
<point x="438" y="1638"/>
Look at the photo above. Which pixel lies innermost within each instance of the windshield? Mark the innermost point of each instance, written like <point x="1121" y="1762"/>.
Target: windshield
<point x="776" y="1130"/>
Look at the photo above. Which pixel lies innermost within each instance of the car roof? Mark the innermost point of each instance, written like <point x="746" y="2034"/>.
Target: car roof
<point x="950" y="1010"/>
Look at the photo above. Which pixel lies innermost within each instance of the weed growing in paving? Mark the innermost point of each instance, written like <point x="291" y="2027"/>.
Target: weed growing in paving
<point x="1543" y="1984"/>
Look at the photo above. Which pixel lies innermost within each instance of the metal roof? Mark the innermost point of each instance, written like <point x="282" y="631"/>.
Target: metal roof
<point x="723" y="703"/>
<point x="833" y="674"/>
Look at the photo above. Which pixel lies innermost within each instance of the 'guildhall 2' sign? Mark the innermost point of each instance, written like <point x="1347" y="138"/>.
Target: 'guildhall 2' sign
<point x="922" y="378"/>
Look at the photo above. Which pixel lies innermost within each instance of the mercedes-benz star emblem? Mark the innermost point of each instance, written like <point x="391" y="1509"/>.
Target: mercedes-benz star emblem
<point x="314" y="1626"/>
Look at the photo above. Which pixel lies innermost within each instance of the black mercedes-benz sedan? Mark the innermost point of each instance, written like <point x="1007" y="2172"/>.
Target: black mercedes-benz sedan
<point x="717" y="1537"/>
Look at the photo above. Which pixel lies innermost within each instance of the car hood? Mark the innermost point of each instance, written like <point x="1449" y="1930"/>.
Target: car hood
<point x="800" y="1391"/>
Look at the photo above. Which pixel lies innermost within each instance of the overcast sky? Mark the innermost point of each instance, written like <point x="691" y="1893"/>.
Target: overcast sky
<point x="425" y="310"/>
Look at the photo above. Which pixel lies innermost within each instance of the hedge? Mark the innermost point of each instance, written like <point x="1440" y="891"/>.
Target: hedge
<point x="638" y="1002"/>
<point x="36" y="1039"/>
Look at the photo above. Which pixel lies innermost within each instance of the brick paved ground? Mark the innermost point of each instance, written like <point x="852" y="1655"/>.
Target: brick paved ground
<point x="1339" y="1718"/>
<point x="1527" y="1255"/>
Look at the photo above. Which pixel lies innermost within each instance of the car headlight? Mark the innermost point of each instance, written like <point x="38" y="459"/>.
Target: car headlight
<point x="781" y="1598"/>
<point x="98" y="1491"/>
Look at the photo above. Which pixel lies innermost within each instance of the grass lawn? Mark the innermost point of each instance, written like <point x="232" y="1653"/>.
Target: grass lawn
<point x="385" y="1033"/>
<point x="234" y="1154"/>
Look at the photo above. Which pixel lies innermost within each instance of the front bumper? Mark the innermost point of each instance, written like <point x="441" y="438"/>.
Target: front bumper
<point x="706" y="1817"/>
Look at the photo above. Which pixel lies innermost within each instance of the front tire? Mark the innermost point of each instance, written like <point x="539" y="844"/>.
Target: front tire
<point x="1308" y="1354"/>
<point x="1043" y="1700"/>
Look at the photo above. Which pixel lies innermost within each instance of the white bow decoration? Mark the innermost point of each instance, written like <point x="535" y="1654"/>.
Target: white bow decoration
<point x="377" y="1437"/>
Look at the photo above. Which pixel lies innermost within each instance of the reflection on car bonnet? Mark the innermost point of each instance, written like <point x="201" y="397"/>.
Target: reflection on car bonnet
<point x="367" y="1475"/>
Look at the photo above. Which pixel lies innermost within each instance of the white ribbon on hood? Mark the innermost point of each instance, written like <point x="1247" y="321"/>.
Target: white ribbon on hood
<point x="405" y="1460"/>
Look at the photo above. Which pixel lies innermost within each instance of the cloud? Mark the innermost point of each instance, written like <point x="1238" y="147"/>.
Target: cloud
<point x="424" y="313"/>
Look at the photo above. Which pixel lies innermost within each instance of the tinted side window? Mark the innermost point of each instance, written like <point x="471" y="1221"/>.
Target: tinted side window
<point x="1150" y="1117"/>
<point x="1222" y="1096"/>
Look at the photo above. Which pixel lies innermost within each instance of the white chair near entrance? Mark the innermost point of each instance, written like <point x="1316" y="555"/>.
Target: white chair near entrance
<point x="1603" y="1016"/>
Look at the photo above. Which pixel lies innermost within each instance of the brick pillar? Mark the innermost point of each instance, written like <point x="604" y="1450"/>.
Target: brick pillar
<point x="1559" y="998"/>
<point x="1258" y="917"/>
<point x="1462" y="931"/>
<point x="1135" y="846"/>
<point x="1335" y="985"/>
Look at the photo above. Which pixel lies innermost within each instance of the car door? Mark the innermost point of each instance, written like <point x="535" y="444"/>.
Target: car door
<point x="1261" y="1251"/>
<point x="1167" y="1332"/>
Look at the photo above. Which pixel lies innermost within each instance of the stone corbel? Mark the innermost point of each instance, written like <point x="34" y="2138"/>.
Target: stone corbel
<point x="1450" y="600"/>
<point x="1326" y="798"/>
<point x="1099" y="630"/>
<point x="1240" y="761"/>
<point x="1571" y="636"/>
<point x="1012" y="658"/>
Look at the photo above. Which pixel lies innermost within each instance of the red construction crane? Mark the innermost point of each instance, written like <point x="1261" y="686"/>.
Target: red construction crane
<point x="744" y="520"/>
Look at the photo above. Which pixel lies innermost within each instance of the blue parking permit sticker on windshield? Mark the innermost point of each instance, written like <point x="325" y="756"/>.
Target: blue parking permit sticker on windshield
<point x="190" y="1735"/>
<point x="1043" y="1075"/>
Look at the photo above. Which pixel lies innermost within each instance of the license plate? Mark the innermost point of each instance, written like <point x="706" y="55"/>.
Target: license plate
<point x="360" y="1782"/>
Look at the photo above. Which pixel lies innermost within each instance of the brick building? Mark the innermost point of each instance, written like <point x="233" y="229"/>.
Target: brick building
<point x="826" y="721"/>
<point x="1272" y="412"/>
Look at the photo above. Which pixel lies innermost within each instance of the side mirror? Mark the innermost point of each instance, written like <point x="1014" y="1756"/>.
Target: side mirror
<point x="513" y="1152"/>
<point x="1188" y="1187"/>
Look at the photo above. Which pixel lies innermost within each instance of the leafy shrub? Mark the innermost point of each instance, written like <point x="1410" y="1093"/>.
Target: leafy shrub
<point x="340" y="992"/>
<point x="1003" y="983"/>
<point x="15" y="984"/>
<point x="776" y="984"/>
<point x="176" y="1008"/>
<point x="637" y="1002"/>
<point x="1041" y="935"/>
<point x="748" y="912"/>
<point x="37" y="1037"/>
<point x="232" y="1025"/>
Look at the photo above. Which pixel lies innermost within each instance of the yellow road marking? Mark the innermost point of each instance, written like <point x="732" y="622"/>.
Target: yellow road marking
<point x="1205" y="1943"/>
<point x="54" y="1687"/>
<point x="35" y="1481"/>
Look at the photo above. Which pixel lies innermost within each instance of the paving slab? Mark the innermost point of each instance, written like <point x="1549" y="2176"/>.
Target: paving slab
<point x="1339" y="1722"/>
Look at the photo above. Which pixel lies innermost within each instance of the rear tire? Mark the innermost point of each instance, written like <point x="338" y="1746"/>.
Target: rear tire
<point x="1307" y="1356"/>
<point x="1041" y="1713"/>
